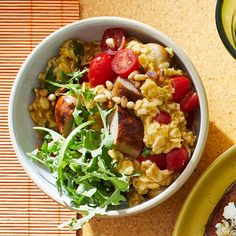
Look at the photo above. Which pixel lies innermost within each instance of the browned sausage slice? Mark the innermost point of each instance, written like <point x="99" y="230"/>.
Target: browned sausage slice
<point x="217" y="214"/>
<point x="123" y="87"/>
<point x="64" y="113"/>
<point x="128" y="132"/>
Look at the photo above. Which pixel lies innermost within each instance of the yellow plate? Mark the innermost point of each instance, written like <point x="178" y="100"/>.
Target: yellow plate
<point x="205" y="195"/>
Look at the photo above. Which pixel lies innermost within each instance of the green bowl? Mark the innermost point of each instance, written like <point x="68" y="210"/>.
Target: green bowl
<point x="226" y="24"/>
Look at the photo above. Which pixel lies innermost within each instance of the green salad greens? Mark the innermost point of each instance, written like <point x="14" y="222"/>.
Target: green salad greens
<point x="84" y="171"/>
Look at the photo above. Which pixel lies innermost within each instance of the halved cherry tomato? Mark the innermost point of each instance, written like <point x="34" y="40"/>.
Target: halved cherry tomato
<point x="141" y="159"/>
<point x="189" y="102"/>
<point x="100" y="70"/>
<point x="181" y="85"/>
<point x="177" y="159"/>
<point x="124" y="62"/>
<point x="163" y="118"/>
<point x="118" y="35"/>
<point x="158" y="159"/>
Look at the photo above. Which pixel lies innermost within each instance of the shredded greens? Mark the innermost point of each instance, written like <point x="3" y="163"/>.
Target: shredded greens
<point x="75" y="76"/>
<point x="66" y="79"/>
<point x="84" y="171"/>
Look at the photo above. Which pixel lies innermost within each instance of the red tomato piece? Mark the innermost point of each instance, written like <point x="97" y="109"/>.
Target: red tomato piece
<point x="158" y="159"/>
<point x="163" y="118"/>
<point x="141" y="159"/>
<point x="124" y="62"/>
<point x="181" y="85"/>
<point x="118" y="35"/>
<point x="177" y="159"/>
<point x="100" y="70"/>
<point x="189" y="102"/>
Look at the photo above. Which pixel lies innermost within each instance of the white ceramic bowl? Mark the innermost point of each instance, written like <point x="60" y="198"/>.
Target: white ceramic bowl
<point x="24" y="138"/>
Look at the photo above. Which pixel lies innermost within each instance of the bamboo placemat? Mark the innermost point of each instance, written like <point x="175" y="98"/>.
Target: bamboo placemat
<point x="24" y="209"/>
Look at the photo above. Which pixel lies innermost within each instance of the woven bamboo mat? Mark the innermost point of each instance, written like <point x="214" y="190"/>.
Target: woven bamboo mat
<point x="24" y="209"/>
<point x="191" y="24"/>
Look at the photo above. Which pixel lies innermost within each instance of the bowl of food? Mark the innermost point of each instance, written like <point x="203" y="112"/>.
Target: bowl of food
<point x="226" y="24"/>
<point x="108" y="116"/>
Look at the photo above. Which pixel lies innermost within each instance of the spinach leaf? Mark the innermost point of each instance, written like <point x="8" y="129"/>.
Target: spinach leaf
<point x="78" y="48"/>
<point x="49" y="74"/>
<point x="63" y="76"/>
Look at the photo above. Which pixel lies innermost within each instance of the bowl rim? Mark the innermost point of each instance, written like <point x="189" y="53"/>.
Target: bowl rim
<point x="220" y="29"/>
<point x="204" y="120"/>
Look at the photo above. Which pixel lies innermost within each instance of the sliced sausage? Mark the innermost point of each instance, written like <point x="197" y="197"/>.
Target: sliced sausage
<point x="64" y="113"/>
<point x="123" y="87"/>
<point x="128" y="132"/>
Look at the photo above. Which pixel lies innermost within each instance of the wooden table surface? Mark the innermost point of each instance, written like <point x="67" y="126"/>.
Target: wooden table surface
<point x="191" y="24"/>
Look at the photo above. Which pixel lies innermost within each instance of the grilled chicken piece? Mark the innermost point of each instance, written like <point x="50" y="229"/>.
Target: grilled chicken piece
<point x="123" y="87"/>
<point x="160" y="53"/>
<point x="63" y="113"/>
<point x="217" y="214"/>
<point x="128" y="132"/>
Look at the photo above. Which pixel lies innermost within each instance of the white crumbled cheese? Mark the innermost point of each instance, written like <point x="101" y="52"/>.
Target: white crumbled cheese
<point x="230" y="211"/>
<point x="227" y="227"/>
<point x="223" y="229"/>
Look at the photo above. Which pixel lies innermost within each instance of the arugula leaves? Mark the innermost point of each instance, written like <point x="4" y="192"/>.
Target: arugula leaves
<point x="72" y="84"/>
<point x="75" y="76"/>
<point x="84" y="170"/>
